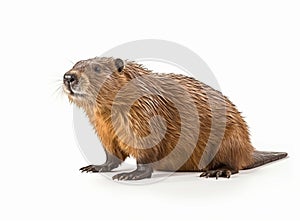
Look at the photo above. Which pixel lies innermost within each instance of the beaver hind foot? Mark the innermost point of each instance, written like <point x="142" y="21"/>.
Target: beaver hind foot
<point x="221" y="172"/>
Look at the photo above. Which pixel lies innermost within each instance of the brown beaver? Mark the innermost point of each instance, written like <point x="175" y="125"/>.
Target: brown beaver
<point x="166" y="121"/>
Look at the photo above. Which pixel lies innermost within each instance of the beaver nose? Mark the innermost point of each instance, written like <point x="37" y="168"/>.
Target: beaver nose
<point x="70" y="78"/>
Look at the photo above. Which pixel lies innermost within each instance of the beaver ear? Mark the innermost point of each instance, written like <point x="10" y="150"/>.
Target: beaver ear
<point x="119" y="64"/>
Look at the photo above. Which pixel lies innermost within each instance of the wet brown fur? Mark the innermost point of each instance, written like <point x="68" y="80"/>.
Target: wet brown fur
<point x="234" y="150"/>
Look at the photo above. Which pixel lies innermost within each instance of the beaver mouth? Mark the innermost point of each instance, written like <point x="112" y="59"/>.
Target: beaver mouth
<point x="70" y="90"/>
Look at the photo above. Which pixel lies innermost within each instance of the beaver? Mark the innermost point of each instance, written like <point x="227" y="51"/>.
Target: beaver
<point x="168" y="122"/>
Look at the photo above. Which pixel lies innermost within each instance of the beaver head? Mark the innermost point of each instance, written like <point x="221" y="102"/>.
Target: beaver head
<point x="84" y="81"/>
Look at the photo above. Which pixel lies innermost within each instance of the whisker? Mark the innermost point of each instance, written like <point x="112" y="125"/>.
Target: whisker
<point x="57" y="86"/>
<point x="58" y="92"/>
<point x="72" y="62"/>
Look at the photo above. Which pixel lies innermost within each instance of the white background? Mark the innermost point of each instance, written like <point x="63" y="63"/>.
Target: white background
<point x="252" y="47"/>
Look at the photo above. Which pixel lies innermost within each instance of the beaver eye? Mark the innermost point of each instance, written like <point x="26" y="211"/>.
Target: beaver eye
<point x="96" y="68"/>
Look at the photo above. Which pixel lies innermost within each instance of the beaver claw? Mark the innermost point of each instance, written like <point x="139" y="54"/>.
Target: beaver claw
<point x="107" y="167"/>
<point x="226" y="173"/>
<point x="134" y="175"/>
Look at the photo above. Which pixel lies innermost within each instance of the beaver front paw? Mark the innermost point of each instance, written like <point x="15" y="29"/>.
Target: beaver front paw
<point x="134" y="175"/>
<point x="106" y="167"/>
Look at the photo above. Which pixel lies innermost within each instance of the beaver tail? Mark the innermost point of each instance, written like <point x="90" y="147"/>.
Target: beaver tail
<point x="263" y="157"/>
